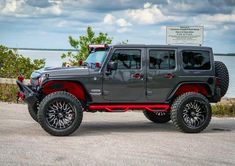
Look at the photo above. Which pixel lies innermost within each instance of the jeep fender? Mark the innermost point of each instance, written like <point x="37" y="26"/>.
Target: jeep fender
<point x="200" y="87"/>
<point x="74" y="87"/>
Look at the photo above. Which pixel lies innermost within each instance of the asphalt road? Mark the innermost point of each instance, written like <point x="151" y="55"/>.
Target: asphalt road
<point x="113" y="139"/>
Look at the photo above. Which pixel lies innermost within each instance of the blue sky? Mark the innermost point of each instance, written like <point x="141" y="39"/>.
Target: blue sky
<point x="48" y="23"/>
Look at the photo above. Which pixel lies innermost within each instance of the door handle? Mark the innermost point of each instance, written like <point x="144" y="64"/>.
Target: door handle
<point x="138" y="75"/>
<point x="169" y="75"/>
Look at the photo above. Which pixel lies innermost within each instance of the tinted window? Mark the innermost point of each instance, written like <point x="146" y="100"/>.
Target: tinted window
<point x="196" y="60"/>
<point x="127" y="59"/>
<point x="161" y="59"/>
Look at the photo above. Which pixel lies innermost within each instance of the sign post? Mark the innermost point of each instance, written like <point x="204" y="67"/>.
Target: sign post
<point x="185" y="35"/>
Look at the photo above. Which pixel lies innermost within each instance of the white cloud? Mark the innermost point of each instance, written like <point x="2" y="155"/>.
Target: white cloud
<point x="55" y="10"/>
<point x="109" y="19"/>
<point x="214" y="22"/>
<point x="123" y="23"/>
<point x="147" y="5"/>
<point x="120" y="23"/>
<point x="123" y="29"/>
<point x="219" y="18"/>
<point x="10" y="6"/>
<point x="19" y="8"/>
<point x="150" y="14"/>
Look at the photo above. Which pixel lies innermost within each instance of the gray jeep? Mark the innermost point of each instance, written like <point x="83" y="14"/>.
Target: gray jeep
<point x="175" y="83"/>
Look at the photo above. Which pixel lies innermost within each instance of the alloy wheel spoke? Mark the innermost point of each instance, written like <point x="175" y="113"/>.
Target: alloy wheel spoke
<point x="60" y="115"/>
<point x="194" y="114"/>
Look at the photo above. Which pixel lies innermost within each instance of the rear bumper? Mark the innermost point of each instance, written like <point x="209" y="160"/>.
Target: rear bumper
<point x="26" y="93"/>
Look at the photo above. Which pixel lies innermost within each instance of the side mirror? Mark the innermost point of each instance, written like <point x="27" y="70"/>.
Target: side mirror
<point x="112" y="65"/>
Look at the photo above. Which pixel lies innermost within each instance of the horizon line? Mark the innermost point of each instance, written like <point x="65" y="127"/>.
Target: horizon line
<point x="42" y="49"/>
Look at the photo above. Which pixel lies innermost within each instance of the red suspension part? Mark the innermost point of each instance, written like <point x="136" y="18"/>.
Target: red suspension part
<point x="125" y="107"/>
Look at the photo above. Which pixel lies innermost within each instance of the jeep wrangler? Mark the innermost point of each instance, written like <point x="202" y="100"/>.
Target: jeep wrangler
<point x="175" y="83"/>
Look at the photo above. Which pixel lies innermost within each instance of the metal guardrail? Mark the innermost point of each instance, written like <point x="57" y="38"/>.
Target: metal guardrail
<point x="44" y="49"/>
<point x="12" y="81"/>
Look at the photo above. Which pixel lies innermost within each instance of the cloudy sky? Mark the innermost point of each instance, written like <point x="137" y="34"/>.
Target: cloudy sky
<point x="48" y="23"/>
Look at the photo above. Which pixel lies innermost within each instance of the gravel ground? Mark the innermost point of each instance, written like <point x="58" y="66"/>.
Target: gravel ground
<point x="113" y="139"/>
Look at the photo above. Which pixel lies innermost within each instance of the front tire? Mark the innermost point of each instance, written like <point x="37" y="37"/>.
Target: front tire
<point x="60" y="113"/>
<point x="191" y="112"/>
<point x="33" y="111"/>
<point x="157" y="117"/>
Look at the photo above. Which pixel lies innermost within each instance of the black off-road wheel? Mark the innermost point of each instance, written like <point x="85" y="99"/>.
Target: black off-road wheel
<point x="33" y="111"/>
<point x="191" y="112"/>
<point x="157" y="117"/>
<point x="221" y="72"/>
<point x="60" y="113"/>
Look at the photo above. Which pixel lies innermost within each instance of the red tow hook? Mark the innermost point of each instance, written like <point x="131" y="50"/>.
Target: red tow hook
<point x="20" y="97"/>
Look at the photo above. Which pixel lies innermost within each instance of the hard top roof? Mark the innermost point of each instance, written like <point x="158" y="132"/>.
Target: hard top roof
<point x="159" y="46"/>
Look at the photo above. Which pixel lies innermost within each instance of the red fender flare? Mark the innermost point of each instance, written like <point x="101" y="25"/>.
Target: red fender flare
<point x="198" y="88"/>
<point x="72" y="87"/>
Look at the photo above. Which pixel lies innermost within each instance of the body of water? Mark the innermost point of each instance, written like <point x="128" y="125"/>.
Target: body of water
<point x="53" y="59"/>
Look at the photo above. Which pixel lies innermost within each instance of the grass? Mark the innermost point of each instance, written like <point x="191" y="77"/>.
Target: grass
<point x="225" y="108"/>
<point x="8" y="92"/>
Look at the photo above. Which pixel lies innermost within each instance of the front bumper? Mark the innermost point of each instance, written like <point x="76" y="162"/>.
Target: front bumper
<point x="26" y="93"/>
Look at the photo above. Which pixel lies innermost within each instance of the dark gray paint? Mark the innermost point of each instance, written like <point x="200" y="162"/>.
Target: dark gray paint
<point x="120" y="86"/>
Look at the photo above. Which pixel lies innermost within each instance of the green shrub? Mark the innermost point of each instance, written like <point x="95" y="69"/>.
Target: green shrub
<point x="8" y="92"/>
<point x="12" y="64"/>
<point x="224" y="109"/>
<point x="82" y="44"/>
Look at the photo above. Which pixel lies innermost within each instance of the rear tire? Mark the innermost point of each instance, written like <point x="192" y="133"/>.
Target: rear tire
<point x="157" y="117"/>
<point x="221" y="72"/>
<point x="60" y="113"/>
<point x="191" y="112"/>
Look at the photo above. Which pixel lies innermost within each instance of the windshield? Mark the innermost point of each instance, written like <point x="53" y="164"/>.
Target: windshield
<point x="95" y="57"/>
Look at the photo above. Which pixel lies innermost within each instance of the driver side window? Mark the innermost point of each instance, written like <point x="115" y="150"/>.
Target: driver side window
<point x="127" y="58"/>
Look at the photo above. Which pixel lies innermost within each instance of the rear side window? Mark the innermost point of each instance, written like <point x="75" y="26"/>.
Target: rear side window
<point x="127" y="59"/>
<point x="162" y="59"/>
<point x="196" y="60"/>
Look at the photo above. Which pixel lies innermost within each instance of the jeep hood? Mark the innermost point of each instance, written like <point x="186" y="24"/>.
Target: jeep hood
<point x="61" y="71"/>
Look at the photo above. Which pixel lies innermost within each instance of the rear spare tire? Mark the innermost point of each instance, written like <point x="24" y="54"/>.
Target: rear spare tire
<point x="221" y="72"/>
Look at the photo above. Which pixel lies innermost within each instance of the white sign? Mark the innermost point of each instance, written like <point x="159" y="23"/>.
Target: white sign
<point x="184" y="35"/>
